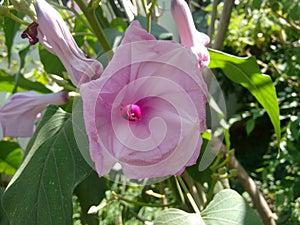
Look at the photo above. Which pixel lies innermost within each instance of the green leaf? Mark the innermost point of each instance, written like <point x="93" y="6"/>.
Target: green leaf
<point x="22" y="55"/>
<point x="90" y="192"/>
<point x="7" y="83"/>
<point x="10" y="28"/>
<point x="229" y="208"/>
<point x="3" y="219"/>
<point x="40" y="193"/>
<point x="52" y="63"/>
<point x="250" y="125"/>
<point x="10" y="157"/>
<point x="158" y="31"/>
<point x="177" y="217"/>
<point x="245" y="72"/>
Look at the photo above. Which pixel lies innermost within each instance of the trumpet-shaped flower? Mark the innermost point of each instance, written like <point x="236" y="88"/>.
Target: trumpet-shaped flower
<point x="189" y="36"/>
<point x="147" y="110"/>
<point x="54" y="34"/>
<point x="18" y="115"/>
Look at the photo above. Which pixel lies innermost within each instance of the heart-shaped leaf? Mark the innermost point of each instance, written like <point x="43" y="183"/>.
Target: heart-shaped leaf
<point x="40" y="192"/>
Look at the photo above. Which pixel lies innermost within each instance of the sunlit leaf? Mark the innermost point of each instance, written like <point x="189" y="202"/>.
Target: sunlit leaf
<point x="7" y="83"/>
<point x="178" y="217"/>
<point x="245" y="72"/>
<point x="229" y="208"/>
<point x="10" y="157"/>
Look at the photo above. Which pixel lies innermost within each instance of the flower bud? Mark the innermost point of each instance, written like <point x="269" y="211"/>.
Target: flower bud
<point x="189" y="36"/>
<point x="54" y="34"/>
<point x="18" y="115"/>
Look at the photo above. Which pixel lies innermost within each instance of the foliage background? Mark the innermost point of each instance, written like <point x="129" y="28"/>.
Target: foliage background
<point x="267" y="30"/>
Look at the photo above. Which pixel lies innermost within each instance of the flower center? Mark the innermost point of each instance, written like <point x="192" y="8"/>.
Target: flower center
<point x="131" y="112"/>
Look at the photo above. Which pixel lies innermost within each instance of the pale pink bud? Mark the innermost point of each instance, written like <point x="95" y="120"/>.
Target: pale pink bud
<point x="54" y="34"/>
<point x="189" y="36"/>
<point x="18" y="115"/>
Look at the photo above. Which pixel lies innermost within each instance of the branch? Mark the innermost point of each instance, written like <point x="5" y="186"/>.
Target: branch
<point x="214" y="12"/>
<point x="223" y="25"/>
<point x="259" y="202"/>
<point x="90" y="15"/>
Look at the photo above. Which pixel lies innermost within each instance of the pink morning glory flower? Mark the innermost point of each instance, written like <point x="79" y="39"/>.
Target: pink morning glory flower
<point x="54" y="34"/>
<point x="147" y="110"/>
<point x="189" y="36"/>
<point x="18" y="115"/>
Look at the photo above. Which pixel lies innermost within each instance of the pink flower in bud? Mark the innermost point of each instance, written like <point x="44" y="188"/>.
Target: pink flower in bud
<point x="147" y="111"/>
<point x="18" y="115"/>
<point x="189" y="36"/>
<point x="54" y="34"/>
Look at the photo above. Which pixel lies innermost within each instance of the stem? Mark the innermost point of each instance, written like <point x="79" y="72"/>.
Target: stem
<point x="249" y="185"/>
<point x="148" y="11"/>
<point x="211" y="190"/>
<point x="188" y="195"/>
<point x="144" y="4"/>
<point x="90" y="14"/>
<point x="117" y="197"/>
<point x="223" y="26"/>
<point x="63" y="83"/>
<point x="15" y="18"/>
<point x="16" y="83"/>
<point x="211" y="28"/>
<point x="94" y="4"/>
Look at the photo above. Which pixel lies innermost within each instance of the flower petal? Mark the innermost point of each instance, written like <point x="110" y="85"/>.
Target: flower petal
<point x="54" y="34"/>
<point x="18" y="115"/>
<point x="164" y="80"/>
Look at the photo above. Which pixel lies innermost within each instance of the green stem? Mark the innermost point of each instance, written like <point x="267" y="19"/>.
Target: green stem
<point x="148" y="11"/>
<point x="149" y="15"/>
<point x="92" y="19"/>
<point x="63" y="83"/>
<point x="117" y="197"/>
<point x="12" y="16"/>
<point x="94" y="4"/>
<point x="16" y="83"/>
<point x="188" y="194"/>
<point x="145" y="7"/>
<point x="211" y="190"/>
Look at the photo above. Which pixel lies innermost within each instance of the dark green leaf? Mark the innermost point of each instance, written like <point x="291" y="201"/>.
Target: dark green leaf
<point x="245" y="72"/>
<point x="256" y="4"/>
<point x="22" y="55"/>
<point x="11" y="27"/>
<point x="3" y="219"/>
<point x="8" y="82"/>
<point x="102" y="18"/>
<point x="10" y="157"/>
<point x="229" y="208"/>
<point x="250" y="125"/>
<point x="52" y="63"/>
<point x="90" y="192"/>
<point x="158" y="31"/>
<point x="178" y="217"/>
<point x="40" y="192"/>
<point x="119" y="24"/>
